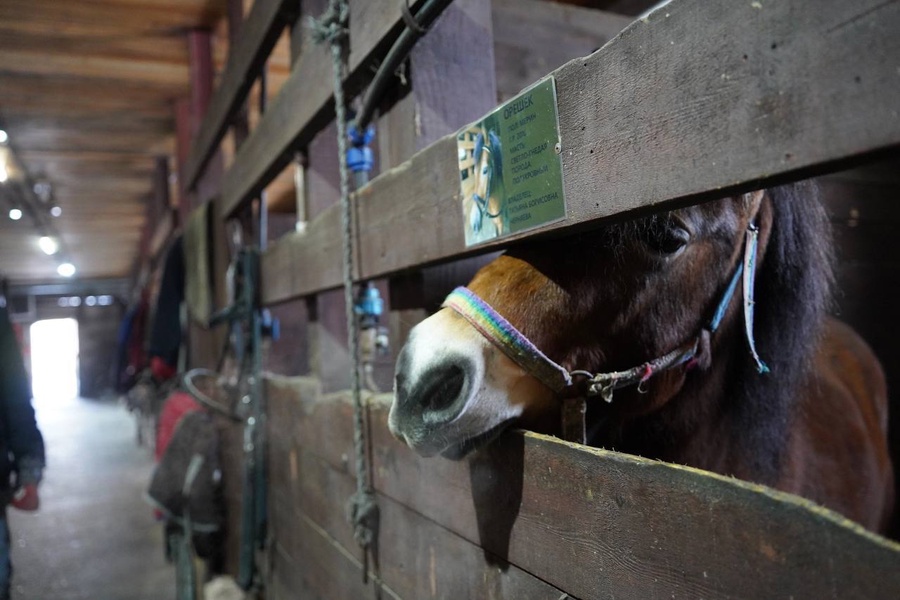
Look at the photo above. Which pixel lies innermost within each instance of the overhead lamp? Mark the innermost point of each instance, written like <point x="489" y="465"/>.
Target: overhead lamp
<point x="48" y="245"/>
<point x="55" y="210"/>
<point x="66" y="269"/>
<point x="15" y="214"/>
<point x="3" y="137"/>
<point x="43" y="190"/>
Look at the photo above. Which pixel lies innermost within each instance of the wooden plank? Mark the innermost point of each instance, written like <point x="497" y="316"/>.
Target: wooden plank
<point x="444" y="58"/>
<point x="318" y="250"/>
<point x="599" y="524"/>
<point x="305" y="103"/>
<point x="416" y="557"/>
<point x="533" y="37"/>
<point x="155" y="47"/>
<point x="259" y="34"/>
<point x="106" y="19"/>
<point x="643" y="127"/>
<point x="171" y="75"/>
<point x="41" y="96"/>
<point x="287" y="582"/>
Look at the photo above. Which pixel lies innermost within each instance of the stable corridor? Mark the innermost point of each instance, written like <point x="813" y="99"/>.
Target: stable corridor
<point x="94" y="536"/>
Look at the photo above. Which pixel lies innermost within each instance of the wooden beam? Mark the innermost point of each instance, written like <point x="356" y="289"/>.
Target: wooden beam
<point x="107" y="19"/>
<point x="259" y="34"/>
<point x="84" y="140"/>
<point x="182" y="145"/>
<point x="160" y="47"/>
<point x="305" y="103"/>
<point x="170" y="75"/>
<point x="533" y="37"/>
<point x="202" y="74"/>
<point x="41" y="96"/>
<point x="658" y="118"/>
<point x="593" y="523"/>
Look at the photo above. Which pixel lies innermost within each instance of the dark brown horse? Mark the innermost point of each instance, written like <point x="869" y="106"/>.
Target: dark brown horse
<point x="623" y="295"/>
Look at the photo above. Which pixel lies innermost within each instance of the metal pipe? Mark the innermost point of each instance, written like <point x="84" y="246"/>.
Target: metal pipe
<point x="430" y="11"/>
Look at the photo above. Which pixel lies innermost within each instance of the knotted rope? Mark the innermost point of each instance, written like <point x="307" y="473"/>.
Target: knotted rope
<point x="331" y="28"/>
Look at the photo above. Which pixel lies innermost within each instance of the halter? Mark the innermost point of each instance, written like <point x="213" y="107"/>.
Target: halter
<point x="523" y="352"/>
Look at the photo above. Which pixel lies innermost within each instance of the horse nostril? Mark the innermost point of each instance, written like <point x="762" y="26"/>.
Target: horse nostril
<point x="437" y="396"/>
<point x="444" y="388"/>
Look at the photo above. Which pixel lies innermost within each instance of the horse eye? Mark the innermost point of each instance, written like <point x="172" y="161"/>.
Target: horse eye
<point x="669" y="240"/>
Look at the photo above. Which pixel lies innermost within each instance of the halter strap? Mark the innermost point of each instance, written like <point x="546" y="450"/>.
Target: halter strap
<point x="507" y="338"/>
<point x="750" y="250"/>
<point x="523" y="352"/>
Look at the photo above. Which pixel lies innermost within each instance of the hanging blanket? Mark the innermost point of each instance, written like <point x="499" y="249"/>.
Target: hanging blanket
<point x="187" y="483"/>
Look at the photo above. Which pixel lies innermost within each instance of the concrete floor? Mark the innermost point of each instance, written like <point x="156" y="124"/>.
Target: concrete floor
<point x="94" y="536"/>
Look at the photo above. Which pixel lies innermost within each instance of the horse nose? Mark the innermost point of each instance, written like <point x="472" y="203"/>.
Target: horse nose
<point x="436" y="396"/>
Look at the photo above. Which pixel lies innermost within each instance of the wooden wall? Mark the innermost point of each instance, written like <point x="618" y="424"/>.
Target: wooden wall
<point x="535" y="517"/>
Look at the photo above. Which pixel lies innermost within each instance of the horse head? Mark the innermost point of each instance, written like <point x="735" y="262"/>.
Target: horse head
<point x="607" y="300"/>
<point x="486" y="173"/>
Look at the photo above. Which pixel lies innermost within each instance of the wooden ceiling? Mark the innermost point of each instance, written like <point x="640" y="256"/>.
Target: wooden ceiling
<point x="87" y="89"/>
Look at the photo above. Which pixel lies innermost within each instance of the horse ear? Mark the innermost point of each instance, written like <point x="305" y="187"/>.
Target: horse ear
<point x="479" y="146"/>
<point x="497" y="150"/>
<point x="495" y="140"/>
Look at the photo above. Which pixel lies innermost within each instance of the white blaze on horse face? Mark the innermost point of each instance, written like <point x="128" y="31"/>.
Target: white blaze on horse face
<point x="482" y="174"/>
<point x="495" y="392"/>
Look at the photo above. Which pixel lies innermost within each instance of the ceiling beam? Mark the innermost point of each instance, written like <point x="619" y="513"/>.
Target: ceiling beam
<point x="118" y="286"/>
<point x="153" y="72"/>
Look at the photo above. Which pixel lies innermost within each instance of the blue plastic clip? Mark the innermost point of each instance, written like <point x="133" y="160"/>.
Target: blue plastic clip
<point x="271" y="326"/>
<point x="359" y="155"/>
<point x="369" y="306"/>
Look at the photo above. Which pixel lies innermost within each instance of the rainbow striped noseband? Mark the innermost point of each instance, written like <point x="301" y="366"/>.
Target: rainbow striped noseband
<point x="507" y="338"/>
<point x="500" y="332"/>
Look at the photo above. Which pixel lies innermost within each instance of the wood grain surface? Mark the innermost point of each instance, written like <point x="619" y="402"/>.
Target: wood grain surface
<point x="589" y="522"/>
<point x="694" y="102"/>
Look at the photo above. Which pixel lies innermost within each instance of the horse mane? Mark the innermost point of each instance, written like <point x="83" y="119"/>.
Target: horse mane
<point x="792" y="296"/>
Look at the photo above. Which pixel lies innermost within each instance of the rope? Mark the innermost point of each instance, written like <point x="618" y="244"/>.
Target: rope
<point x="331" y="28"/>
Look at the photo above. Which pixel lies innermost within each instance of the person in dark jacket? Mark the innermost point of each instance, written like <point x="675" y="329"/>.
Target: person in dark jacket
<point x="21" y="443"/>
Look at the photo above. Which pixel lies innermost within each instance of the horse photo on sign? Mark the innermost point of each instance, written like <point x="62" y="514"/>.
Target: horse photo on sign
<point x="509" y="168"/>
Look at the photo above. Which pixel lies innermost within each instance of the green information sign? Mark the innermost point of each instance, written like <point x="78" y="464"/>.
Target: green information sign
<point x="510" y="172"/>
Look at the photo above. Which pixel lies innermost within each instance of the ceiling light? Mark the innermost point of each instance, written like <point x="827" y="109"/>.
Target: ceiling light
<point x="66" y="269"/>
<point x="48" y="245"/>
<point x="43" y="191"/>
<point x="55" y="210"/>
<point x="3" y="137"/>
<point x="15" y="214"/>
